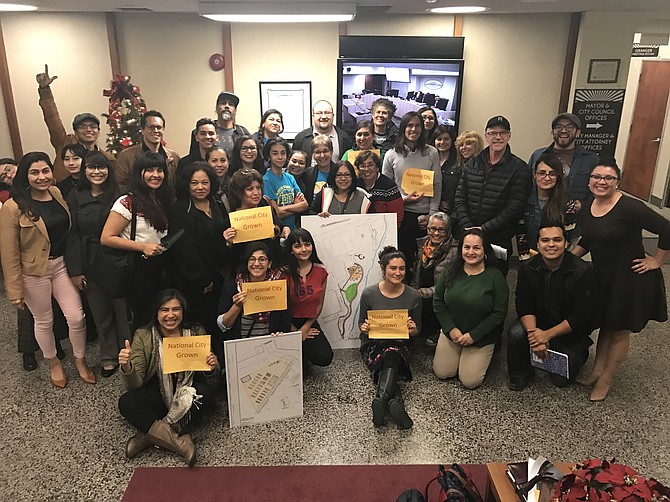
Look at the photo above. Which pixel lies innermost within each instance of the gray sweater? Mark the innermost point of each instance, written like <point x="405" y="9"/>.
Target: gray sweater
<point x="373" y="299"/>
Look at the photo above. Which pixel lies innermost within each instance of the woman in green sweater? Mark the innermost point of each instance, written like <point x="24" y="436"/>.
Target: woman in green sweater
<point x="471" y="304"/>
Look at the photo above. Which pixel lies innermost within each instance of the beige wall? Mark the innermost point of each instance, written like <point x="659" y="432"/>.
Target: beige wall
<point x="513" y="67"/>
<point x="427" y="26"/>
<point x="167" y="56"/>
<point x="5" y="141"/>
<point x="75" y="47"/>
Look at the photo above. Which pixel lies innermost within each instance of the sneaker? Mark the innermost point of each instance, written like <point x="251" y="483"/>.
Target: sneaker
<point x="431" y="340"/>
<point x="518" y="383"/>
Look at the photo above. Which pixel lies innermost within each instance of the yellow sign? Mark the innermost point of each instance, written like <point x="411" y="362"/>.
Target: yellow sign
<point x="186" y="353"/>
<point x="353" y="154"/>
<point x="388" y="324"/>
<point x="419" y="181"/>
<point x="252" y="224"/>
<point x="264" y="296"/>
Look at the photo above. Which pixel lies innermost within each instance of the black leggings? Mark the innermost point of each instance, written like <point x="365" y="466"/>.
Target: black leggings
<point x="144" y="405"/>
<point x="316" y="350"/>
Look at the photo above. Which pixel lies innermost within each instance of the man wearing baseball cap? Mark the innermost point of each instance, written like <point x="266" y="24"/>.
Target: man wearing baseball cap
<point x="227" y="130"/>
<point x="86" y="126"/>
<point x="494" y="188"/>
<point x="577" y="162"/>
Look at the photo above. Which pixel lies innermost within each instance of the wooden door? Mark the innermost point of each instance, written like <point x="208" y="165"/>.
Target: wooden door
<point x="646" y="129"/>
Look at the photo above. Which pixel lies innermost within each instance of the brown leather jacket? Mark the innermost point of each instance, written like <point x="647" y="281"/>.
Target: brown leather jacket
<point x="57" y="135"/>
<point x="126" y="159"/>
<point x="24" y="245"/>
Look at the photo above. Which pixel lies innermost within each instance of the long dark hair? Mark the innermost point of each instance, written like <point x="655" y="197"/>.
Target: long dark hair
<point x="21" y="187"/>
<point x="429" y="133"/>
<point x="558" y="196"/>
<point x="163" y="297"/>
<point x="455" y="269"/>
<point x="235" y="162"/>
<point x="110" y="187"/>
<point x="333" y="172"/>
<point x="299" y="235"/>
<point x="451" y="131"/>
<point x="401" y="143"/>
<point x="153" y="204"/>
<point x="183" y="182"/>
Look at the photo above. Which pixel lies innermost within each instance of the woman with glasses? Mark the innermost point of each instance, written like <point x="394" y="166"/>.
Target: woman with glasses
<point x="255" y="266"/>
<point x="435" y="252"/>
<point x="384" y="194"/>
<point x="246" y="155"/>
<point x="630" y="283"/>
<point x="341" y="195"/>
<point x="430" y="122"/>
<point x="549" y="199"/>
<point x="90" y="204"/>
<point x="316" y="177"/>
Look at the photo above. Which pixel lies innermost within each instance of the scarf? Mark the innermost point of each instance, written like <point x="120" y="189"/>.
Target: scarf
<point x="272" y="275"/>
<point x="428" y="252"/>
<point x="177" y="389"/>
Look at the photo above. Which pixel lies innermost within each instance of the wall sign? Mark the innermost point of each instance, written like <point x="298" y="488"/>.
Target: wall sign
<point x="600" y="113"/>
<point x="433" y="84"/>
<point x="604" y="71"/>
<point x="645" y="51"/>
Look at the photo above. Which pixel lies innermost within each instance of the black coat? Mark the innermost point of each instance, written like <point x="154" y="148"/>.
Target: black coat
<point x="303" y="141"/>
<point x="308" y="180"/>
<point x="493" y="198"/>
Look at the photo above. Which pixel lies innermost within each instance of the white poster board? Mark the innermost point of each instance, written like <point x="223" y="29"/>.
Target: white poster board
<point x="349" y="246"/>
<point x="293" y="100"/>
<point x="264" y="378"/>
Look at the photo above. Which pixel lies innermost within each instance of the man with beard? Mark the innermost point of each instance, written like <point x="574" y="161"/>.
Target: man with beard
<point x="577" y="162"/>
<point x="322" y="117"/>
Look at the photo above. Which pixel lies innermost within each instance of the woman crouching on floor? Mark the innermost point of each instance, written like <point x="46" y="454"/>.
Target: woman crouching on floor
<point x="161" y="406"/>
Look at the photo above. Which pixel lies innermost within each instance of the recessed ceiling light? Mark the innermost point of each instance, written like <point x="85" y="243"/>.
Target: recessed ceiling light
<point x="16" y="7"/>
<point x="466" y="9"/>
<point x="277" y="12"/>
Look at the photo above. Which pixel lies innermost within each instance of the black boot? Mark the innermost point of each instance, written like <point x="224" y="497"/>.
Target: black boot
<point x="386" y="387"/>
<point x="60" y="353"/>
<point x="397" y="411"/>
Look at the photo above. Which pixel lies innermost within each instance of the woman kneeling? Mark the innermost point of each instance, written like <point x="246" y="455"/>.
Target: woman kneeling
<point x="160" y="405"/>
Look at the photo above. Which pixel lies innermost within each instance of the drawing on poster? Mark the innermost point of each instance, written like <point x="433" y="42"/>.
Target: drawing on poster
<point x="349" y="246"/>
<point x="264" y="378"/>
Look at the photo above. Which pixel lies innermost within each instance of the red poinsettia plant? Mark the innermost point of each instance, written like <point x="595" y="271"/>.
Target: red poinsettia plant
<point x="598" y="480"/>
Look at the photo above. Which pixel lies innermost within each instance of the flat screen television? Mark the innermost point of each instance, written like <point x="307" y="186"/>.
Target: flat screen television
<point x="410" y="83"/>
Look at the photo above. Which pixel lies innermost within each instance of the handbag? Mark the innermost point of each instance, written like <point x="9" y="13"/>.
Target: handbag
<point x="117" y="264"/>
<point x="456" y="485"/>
<point x="546" y="479"/>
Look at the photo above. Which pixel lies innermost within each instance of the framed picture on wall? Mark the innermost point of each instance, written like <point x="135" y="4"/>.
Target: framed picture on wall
<point x="293" y="100"/>
<point x="603" y="71"/>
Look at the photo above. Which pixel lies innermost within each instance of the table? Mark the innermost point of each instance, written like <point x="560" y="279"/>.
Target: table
<point x="500" y="487"/>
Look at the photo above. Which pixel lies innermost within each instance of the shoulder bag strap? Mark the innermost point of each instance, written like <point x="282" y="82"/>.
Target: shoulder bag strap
<point x="467" y="484"/>
<point x="133" y="218"/>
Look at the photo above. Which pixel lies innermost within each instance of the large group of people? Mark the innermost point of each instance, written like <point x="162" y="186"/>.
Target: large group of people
<point x="145" y="242"/>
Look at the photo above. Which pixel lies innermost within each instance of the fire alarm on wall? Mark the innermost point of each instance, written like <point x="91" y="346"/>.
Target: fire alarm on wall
<point x="217" y="62"/>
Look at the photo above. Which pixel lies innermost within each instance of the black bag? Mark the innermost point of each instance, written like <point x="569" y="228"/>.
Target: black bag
<point x="117" y="265"/>
<point x="456" y="485"/>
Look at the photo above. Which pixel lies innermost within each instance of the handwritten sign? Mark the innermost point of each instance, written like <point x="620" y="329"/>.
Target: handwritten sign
<point x="265" y="296"/>
<point x="419" y="181"/>
<point x="385" y="324"/>
<point x="252" y="224"/>
<point x="186" y="353"/>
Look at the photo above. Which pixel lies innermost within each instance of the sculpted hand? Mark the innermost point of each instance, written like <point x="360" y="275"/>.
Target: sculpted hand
<point x="643" y="265"/>
<point x="124" y="358"/>
<point x="43" y="79"/>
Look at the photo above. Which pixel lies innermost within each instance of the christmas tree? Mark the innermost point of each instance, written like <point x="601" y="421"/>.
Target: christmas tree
<point x="126" y="107"/>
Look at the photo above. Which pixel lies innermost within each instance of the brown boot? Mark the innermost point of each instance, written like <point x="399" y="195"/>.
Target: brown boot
<point x="161" y="434"/>
<point x="137" y="444"/>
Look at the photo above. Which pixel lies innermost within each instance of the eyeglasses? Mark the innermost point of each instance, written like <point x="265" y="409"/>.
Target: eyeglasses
<point x="261" y="259"/>
<point x="154" y="127"/>
<point x="546" y="174"/>
<point x="437" y="230"/>
<point x="367" y="165"/>
<point x="102" y="169"/>
<point x="325" y="114"/>
<point x="607" y="179"/>
<point x="497" y="134"/>
<point x="87" y="127"/>
<point x="248" y="148"/>
<point x="567" y="127"/>
<point x="343" y="175"/>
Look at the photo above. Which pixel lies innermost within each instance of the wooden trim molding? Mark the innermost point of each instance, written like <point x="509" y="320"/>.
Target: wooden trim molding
<point x="569" y="65"/>
<point x="8" y="98"/>
<point x="458" y="25"/>
<point x="113" y="41"/>
<point x="228" y="80"/>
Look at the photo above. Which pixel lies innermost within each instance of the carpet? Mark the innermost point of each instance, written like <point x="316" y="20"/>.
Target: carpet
<point x="351" y="483"/>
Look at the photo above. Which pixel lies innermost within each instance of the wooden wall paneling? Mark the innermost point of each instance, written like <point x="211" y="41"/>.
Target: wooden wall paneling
<point x="8" y="98"/>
